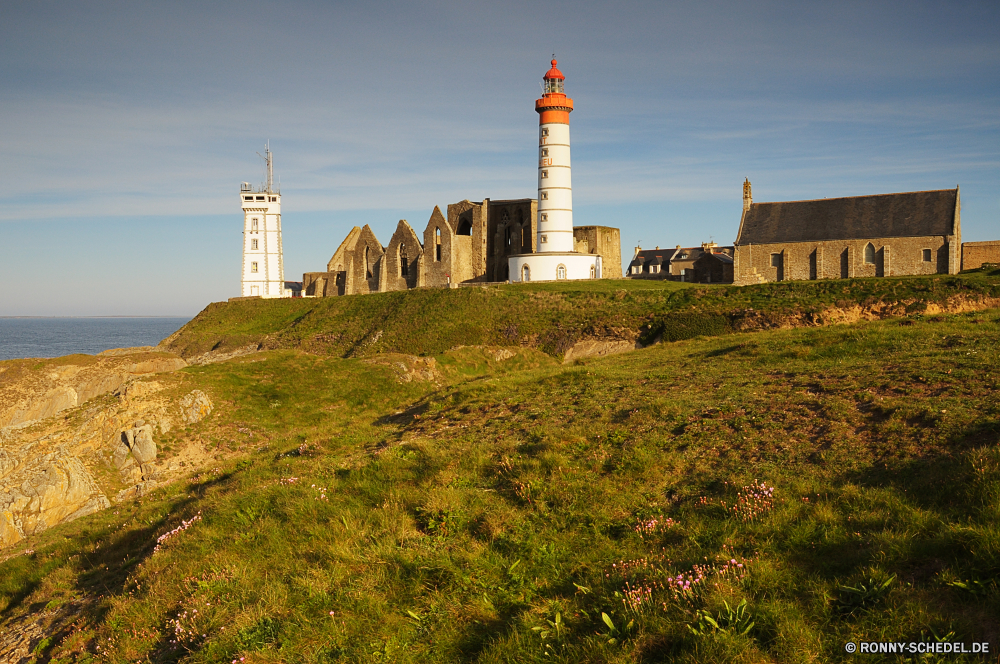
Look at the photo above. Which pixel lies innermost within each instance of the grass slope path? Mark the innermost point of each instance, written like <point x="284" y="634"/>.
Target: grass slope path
<point x="555" y="318"/>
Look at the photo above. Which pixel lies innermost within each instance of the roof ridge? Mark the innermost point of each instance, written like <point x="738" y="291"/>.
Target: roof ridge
<point x="843" y="198"/>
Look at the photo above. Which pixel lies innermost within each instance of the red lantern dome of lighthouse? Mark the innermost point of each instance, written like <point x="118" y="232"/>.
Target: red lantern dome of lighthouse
<point x="554" y="106"/>
<point x="554" y="73"/>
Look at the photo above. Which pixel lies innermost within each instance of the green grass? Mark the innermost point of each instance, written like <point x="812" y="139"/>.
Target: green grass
<point x="525" y="510"/>
<point x="554" y="316"/>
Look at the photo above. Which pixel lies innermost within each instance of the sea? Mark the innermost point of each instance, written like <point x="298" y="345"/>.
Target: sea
<point x="54" y="337"/>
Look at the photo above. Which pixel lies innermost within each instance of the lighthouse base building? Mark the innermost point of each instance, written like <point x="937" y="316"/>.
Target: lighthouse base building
<point x="552" y="266"/>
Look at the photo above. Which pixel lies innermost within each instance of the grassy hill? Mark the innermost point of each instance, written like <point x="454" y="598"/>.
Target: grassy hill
<point x="554" y="316"/>
<point x="753" y="497"/>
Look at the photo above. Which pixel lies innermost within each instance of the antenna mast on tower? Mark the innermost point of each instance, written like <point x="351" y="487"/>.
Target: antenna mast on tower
<point x="270" y="173"/>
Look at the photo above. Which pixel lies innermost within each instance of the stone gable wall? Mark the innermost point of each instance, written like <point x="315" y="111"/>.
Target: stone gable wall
<point x="436" y="272"/>
<point x="361" y="282"/>
<point x="391" y="272"/>
<point x="338" y="262"/>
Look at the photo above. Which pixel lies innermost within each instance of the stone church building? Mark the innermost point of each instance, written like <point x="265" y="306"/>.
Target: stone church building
<point x="470" y="244"/>
<point x="860" y="236"/>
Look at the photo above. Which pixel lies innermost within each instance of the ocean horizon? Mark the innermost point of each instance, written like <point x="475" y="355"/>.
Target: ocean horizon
<point x="55" y="336"/>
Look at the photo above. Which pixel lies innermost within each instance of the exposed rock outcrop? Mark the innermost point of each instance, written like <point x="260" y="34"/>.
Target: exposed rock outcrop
<point x="599" y="348"/>
<point x="409" y="368"/>
<point x="46" y="490"/>
<point x="33" y="390"/>
<point x="195" y="407"/>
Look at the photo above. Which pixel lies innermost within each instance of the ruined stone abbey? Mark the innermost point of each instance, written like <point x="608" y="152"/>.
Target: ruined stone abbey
<point x="468" y="246"/>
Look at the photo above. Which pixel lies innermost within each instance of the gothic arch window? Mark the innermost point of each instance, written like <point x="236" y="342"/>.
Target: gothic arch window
<point x="593" y="272"/>
<point x="869" y="254"/>
<point x="560" y="271"/>
<point x="368" y="265"/>
<point x="506" y="237"/>
<point x="525" y="273"/>
<point x="404" y="268"/>
<point x="465" y="228"/>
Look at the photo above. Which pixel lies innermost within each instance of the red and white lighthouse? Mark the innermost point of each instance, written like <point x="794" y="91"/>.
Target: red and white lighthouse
<point x="556" y="258"/>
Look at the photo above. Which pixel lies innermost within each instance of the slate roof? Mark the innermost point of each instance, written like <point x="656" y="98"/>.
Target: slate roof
<point x="911" y="214"/>
<point x="652" y="257"/>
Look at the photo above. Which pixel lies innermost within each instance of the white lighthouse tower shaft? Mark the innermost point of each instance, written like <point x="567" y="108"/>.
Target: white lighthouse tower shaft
<point x="263" y="271"/>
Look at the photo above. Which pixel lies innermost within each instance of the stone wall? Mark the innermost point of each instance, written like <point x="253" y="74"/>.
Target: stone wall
<point x="322" y="284"/>
<point x="367" y="254"/>
<point x="511" y="228"/>
<point x="974" y="254"/>
<point x="400" y="269"/>
<point x="602" y="240"/>
<point x="842" y="259"/>
<point x="468" y="220"/>
<point x="435" y="262"/>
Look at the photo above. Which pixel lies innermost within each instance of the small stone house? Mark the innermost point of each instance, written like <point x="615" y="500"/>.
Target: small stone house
<point x="650" y="264"/>
<point x="677" y="264"/>
<point x="860" y="236"/>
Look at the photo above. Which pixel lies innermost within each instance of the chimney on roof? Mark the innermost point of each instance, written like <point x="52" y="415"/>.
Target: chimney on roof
<point x="747" y="198"/>
<point x="657" y="247"/>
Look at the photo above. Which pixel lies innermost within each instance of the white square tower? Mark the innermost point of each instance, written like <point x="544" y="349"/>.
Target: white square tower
<point x="263" y="270"/>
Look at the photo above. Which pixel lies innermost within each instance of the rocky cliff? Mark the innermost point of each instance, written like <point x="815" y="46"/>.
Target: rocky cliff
<point x="78" y="429"/>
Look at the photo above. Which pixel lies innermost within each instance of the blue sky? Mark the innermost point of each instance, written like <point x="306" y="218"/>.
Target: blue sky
<point x="127" y="127"/>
